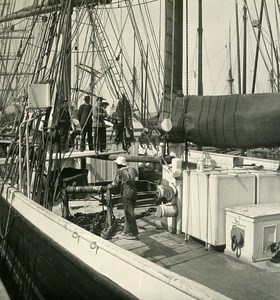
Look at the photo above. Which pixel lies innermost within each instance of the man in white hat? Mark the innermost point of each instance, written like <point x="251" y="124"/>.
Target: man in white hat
<point x="125" y="178"/>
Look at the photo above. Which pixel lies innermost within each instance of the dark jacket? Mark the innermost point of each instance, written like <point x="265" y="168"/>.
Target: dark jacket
<point x="85" y="115"/>
<point x="125" y="178"/>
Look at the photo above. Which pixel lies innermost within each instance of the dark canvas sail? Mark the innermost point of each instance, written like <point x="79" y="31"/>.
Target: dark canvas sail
<point x="238" y="121"/>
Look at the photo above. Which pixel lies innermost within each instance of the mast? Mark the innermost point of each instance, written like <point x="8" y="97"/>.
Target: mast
<point x="259" y="25"/>
<point x="173" y="66"/>
<point x="187" y="47"/>
<point x="66" y="74"/>
<point x="173" y="20"/>
<point x="230" y="78"/>
<point x="244" y="49"/>
<point x="238" y="47"/>
<point x="200" y="31"/>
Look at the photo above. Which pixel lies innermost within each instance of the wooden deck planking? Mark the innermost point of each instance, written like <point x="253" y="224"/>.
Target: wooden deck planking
<point x="224" y="274"/>
<point x="213" y="269"/>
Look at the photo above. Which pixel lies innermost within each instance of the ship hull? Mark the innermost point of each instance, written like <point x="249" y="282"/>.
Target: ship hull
<point x="52" y="258"/>
<point x="43" y="268"/>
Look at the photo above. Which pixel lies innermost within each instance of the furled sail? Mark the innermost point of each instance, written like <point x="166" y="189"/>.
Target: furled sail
<point x="236" y="121"/>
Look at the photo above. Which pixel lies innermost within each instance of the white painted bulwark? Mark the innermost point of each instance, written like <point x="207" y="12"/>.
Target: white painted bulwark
<point x="138" y="276"/>
<point x="260" y="227"/>
<point x="225" y="161"/>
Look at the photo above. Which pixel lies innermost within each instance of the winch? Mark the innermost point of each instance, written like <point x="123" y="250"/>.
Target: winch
<point x="165" y="193"/>
<point x="237" y="239"/>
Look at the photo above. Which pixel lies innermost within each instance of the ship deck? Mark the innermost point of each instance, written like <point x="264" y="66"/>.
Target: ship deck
<point x="229" y="276"/>
<point x="212" y="268"/>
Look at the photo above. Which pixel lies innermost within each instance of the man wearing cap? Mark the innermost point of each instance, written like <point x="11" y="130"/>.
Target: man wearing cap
<point x="99" y="116"/>
<point x="125" y="178"/>
<point x="85" y="119"/>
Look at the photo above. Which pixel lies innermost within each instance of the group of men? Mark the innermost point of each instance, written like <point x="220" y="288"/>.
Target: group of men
<point x="92" y="126"/>
<point x="125" y="176"/>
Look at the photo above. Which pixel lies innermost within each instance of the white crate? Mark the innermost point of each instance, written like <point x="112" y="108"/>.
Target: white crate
<point x="205" y="198"/>
<point x="227" y="190"/>
<point x="259" y="225"/>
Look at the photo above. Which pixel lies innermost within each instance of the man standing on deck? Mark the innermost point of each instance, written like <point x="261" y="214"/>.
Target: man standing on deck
<point x="99" y="116"/>
<point x="125" y="178"/>
<point x="85" y="119"/>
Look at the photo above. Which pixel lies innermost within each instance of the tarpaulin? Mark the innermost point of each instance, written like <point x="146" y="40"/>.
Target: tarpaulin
<point x="235" y="121"/>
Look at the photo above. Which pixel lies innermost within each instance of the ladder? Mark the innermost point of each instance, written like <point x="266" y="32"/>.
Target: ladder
<point x="107" y="56"/>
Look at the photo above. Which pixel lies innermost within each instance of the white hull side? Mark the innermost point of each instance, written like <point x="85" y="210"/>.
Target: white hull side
<point x="136" y="275"/>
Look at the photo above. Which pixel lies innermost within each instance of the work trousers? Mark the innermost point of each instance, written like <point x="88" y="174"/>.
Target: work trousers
<point x="86" y="131"/>
<point x="100" y="138"/>
<point x="130" y="225"/>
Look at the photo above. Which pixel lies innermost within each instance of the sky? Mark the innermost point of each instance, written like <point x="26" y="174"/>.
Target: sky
<point x="218" y="16"/>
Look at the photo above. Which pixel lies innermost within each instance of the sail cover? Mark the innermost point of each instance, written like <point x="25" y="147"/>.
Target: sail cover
<point x="230" y="121"/>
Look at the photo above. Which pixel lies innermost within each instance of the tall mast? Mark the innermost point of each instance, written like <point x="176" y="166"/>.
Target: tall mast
<point x="259" y="25"/>
<point x="230" y="78"/>
<point x="200" y="31"/>
<point x="173" y="66"/>
<point x="173" y="37"/>
<point x="187" y="47"/>
<point x="244" y="49"/>
<point x="66" y="75"/>
<point x="238" y="47"/>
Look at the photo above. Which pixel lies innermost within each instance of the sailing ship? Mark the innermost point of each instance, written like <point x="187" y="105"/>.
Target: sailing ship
<point x="53" y="258"/>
